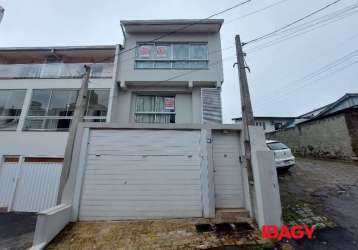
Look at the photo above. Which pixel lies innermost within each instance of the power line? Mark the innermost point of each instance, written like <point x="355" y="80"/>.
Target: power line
<point x="308" y="78"/>
<point x="179" y="29"/>
<point x="309" y="26"/>
<point x="290" y="24"/>
<point x="256" y="11"/>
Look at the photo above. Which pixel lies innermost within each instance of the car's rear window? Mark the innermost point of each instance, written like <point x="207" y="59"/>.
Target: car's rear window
<point x="276" y="146"/>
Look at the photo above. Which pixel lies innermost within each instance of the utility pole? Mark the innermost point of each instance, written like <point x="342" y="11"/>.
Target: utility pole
<point x="76" y="119"/>
<point x="247" y="115"/>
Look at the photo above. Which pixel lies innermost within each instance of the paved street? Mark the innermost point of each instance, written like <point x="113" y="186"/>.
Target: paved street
<point x="328" y="190"/>
<point x="17" y="230"/>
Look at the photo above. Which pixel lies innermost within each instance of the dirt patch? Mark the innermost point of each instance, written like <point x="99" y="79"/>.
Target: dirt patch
<point x="150" y="234"/>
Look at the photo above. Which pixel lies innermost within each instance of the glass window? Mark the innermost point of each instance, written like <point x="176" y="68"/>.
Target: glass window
<point x="97" y="104"/>
<point x="172" y="56"/>
<point x="52" y="109"/>
<point x="39" y="102"/>
<point x="163" y="52"/>
<point x="11" y="102"/>
<point x="198" y="52"/>
<point x="145" y="51"/>
<point x="276" y="146"/>
<point x="62" y="102"/>
<point x="144" y="64"/>
<point x="199" y="64"/>
<point x="155" y="109"/>
<point x="181" y="51"/>
<point x="163" y="65"/>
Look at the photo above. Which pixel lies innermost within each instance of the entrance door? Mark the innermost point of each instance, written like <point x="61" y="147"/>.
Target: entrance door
<point x="228" y="170"/>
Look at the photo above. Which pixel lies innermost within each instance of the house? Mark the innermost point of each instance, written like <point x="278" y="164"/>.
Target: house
<point x="38" y="91"/>
<point x="175" y="80"/>
<point x="152" y="144"/>
<point x="269" y="123"/>
<point x="327" y="132"/>
<point x="184" y="67"/>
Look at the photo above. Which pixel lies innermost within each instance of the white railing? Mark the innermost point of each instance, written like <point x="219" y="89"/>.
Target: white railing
<point x="54" y="70"/>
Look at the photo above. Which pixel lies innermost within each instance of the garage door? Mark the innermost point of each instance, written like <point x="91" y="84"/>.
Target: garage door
<point x="228" y="170"/>
<point x="30" y="185"/>
<point x="133" y="174"/>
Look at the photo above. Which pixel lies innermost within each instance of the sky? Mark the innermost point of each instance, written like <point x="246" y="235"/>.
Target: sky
<point x="278" y="79"/>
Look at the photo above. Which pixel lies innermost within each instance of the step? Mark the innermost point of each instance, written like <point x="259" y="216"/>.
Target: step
<point x="232" y="215"/>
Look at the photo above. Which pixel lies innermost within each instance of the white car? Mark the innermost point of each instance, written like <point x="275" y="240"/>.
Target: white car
<point x="284" y="158"/>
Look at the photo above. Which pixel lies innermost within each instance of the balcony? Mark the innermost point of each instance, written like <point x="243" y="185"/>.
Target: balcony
<point x="54" y="70"/>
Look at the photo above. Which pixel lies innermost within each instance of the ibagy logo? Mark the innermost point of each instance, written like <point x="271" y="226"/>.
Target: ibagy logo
<point x="294" y="232"/>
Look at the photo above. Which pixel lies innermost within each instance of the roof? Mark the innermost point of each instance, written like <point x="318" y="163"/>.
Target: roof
<point x="347" y="101"/>
<point x="173" y="25"/>
<point x="46" y="48"/>
<point x="68" y="53"/>
<point x="268" y="118"/>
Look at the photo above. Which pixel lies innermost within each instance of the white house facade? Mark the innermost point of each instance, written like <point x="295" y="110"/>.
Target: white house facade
<point x="174" y="79"/>
<point x="151" y="145"/>
<point x="38" y="91"/>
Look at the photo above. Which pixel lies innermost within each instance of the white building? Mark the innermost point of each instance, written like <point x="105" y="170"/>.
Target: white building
<point x="269" y="123"/>
<point x="175" y="79"/>
<point x="152" y="144"/>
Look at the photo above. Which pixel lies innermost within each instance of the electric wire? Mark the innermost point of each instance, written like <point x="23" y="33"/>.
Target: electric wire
<point x="290" y="24"/>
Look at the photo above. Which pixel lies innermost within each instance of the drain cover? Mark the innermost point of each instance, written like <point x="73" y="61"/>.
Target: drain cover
<point x="202" y="228"/>
<point x="243" y="226"/>
<point x="223" y="228"/>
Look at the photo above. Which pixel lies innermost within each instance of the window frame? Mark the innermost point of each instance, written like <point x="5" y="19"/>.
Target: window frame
<point x="44" y="118"/>
<point x="171" y="60"/>
<point x="155" y="113"/>
<point x="14" y="117"/>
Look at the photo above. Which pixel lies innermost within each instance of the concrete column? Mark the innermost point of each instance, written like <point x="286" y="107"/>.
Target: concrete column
<point x="267" y="194"/>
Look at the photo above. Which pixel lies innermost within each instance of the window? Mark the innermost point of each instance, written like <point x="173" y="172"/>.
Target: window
<point x="52" y="109"/>
<point x="155" y="109"/>
<point x="11" y="102"/>
<point x="276" y="146"/>
<point x="172" y="56"/>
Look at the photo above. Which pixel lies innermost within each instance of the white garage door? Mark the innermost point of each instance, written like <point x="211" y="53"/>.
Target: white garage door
<point x="228" y="170"/>
<point x="132" y="174"/>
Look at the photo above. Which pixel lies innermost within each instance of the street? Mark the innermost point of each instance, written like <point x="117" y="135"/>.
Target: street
<point x="325" y="194"/>
<point x="17" y="230"/>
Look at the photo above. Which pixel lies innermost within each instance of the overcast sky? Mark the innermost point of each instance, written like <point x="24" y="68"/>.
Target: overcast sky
<point x="274" y="70"/>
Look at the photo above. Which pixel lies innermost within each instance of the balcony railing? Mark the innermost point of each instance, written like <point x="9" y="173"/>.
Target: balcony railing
<point x="54" y="70"/>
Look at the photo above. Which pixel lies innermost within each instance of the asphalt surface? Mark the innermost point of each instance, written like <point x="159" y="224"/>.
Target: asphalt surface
<point x="17" y="230"/>
<point x="331" y="189"/>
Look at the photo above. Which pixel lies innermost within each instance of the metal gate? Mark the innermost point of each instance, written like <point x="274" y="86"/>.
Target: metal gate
<point x="28" y="186"/>
<point x="136" y="174"/>
<point x="228" y="170"/>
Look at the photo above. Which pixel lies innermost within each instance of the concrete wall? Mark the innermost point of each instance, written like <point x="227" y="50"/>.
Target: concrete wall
<point x="328" y="137"/>
<point x="128" y="73"/>
<point x="352" y="124"/>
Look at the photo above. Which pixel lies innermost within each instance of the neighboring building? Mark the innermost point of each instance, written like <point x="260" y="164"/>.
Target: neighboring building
<point x="269" y="123"/>
<point x="38" y="92"/>
<point x="327" y="132"/>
